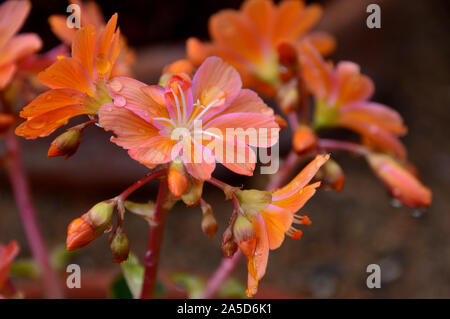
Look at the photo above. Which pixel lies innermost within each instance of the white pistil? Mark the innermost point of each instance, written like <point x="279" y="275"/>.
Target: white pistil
<point x="178" y="105"/>
<point x="184" y="106"/>
<point x="163" y="119"/>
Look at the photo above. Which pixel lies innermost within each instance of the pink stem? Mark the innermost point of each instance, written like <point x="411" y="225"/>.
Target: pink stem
<point x="151" y="258"/>
<point x="147" y="178"/>
<point x="28" y="216"/>
<point x="335" y="145"/>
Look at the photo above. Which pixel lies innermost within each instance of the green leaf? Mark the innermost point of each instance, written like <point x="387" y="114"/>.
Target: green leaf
<point x="133" y="273"/>
<point x="232" y="288"/>
<point x="119" y="288"/>
<point x="194" y="285"/>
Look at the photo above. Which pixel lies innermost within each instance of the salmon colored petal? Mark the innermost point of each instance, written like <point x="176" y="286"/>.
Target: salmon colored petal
<point x="307" y="19"/>
<point x="198" y="159"/>
<point x="19" y="47"/>
<point x="52" y="100"/>
<point x="58" y="24"/>
<point x="287" y="15"/>
<point x="67" y="73"/>
<point x="44" y="124"/>
<point x="7" y="255"/>
<point x="234" y="154"/>
<point x="216" y="81"/>
<point x="156" y="150"/>
<point x="12" y="17"/>
<point x="297" y="200"/>
<point x="403" y="185"/>
<point x="261" y="14"/>
<point x="145" y="101"/>
<point x="6" y="73"/>
<point x="197" y="51"/>
<point x="301" y="179"/>
<point x="83" y="47"/>
<point x="92" y="13"/>
<point x="322" y="42"/>
<point x="317" y="73"/>
<point x="248" y="101"/>
<point x="233" y="31"/>
<point x="352" y="86"/>
<point x="277" y="221"/>
<point x="382" y="139"/>
<point x="131" y="130"/>
<point x="252" y="128"/>
<point x="374" y="113"/>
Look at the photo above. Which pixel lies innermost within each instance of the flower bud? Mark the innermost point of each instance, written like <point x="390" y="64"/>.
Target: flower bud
<point x="402" y="183"/>
<point x="120" y="245"/>
<point x="66" y="144"/>
<point x="177" y="179"/>
<point x="209" y="223"/>
<point x="193" y="193"/>
<point x="100" y="216"/>
<point x="331" y="175"/>
<point x="229" y="246"/>
<point x="305" y="140"/>
<point x="80" y="233"/>
<point x="281" y="122"/>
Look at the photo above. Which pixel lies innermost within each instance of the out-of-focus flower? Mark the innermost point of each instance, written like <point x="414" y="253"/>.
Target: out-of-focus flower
<point x="305" y="140"/>
<point x="331" y="176"/>
<point x="268" y="216"/>
<point x="78" y="83"/>
<point x="190" y="120"/>
<point x="92" y="14"/>
<point x="402" y="184"/>
<point x="7" y="255"/>
<point x="14" y="48"/>
<point x="248" y="38"/>
<point x="342" y="100"/>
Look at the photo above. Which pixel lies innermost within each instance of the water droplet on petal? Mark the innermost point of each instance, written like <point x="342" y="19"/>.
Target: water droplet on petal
<point x="36" y="124"/>
<point x="396" y="203"/>
<point x="120" y="101"/>
<point x="116" y="85"/>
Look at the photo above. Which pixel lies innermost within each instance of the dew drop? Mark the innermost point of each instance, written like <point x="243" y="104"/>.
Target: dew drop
<point x="116" y="85"/>
<point x="396" y="203"/>
<point x="120" y="101"/>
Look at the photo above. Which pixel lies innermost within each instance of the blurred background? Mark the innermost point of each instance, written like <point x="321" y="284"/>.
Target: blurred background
<point x="409" y="60"/>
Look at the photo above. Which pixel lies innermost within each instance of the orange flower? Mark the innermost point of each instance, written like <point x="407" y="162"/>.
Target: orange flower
<point x="342" y="99"/>
<point x="14" y="47"/>
<point x="402" y="183"/>
<point x="78" y="83"/>
<point x="268" y="216"/>
<point x="92" y="14"/>
<point x="7" y="255"/>
<point x="248" y="38"/>
<point x="194" y="121"/>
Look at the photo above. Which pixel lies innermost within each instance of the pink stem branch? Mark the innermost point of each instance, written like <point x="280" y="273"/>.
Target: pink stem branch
<point x="28" y="216"/>
<point x="335" y="145"/>
<point x="151" y="258"/>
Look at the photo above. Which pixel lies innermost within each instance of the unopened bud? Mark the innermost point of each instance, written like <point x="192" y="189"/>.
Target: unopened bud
<point x="80" y="233"/>
<point x="305" y="140"/>
<point x="177" y="179"/>
<point x="120" y="245"/>
<point x="229" y="246"/>
<point x="100" y="216"/>
<point x="281" y="122"/>
<point x="209" y="223"/>
<point x="331" y="175"/>
<point x="193" y="192"/>
<point x="66" y="144"/>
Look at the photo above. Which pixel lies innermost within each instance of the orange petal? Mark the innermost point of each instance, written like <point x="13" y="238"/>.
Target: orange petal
<point x="301" y="179"/>
<point x="198" y="160"/>
<point x="403" y="185"/>
<point x="52" y="100"/>
<point x="106" y="36"/>
<point x="298" y="199"/>
<point x="83" y="47"/>
<point x="261" y="14"/>
<point x="44" y="124"/>
<point x="156" y="150"/>
<point x="352" y="86"/>
<point x="67" y="73"/>
<point x="6" y="73"/>
<point x="277" y="221"/>
<point x="58" y="24"/>
<point x="322" y="41"/>
<point x="7" y="255"/>
<point x="131" y="130"/>
<point x="248" y="101"/>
